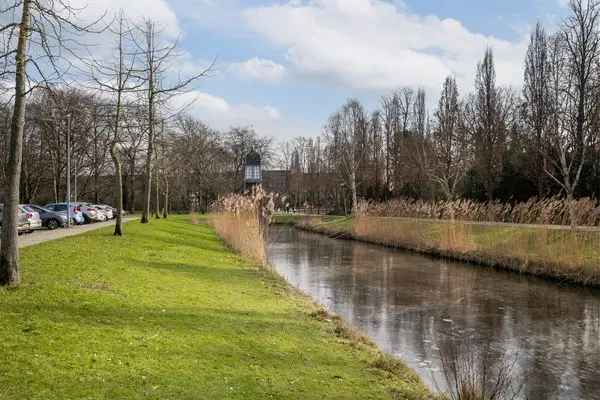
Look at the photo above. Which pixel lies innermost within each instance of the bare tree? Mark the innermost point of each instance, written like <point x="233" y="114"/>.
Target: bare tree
<point x="119" y="79"/>
<point x="575" y="56"/>
<point x="420" y="114"/>
<point x="537" y="103"/>
<point x="158" y="55"/>
<point x="449" y="144"/>
<point x="199" y="161"/>
<point x="157" y="169"/>
<point x="36" y="41"/>
<point x="487" y="119"/>
<point x="391" y="127"/>
<point x="347" y="130"/>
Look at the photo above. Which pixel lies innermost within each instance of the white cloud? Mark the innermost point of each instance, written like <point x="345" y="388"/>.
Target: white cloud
<point x="210" y="104"/>
<point x="373" y="44"/>
<point x="259" y="69"/>
<point x="221" y="114"/>
<point x="157" y="10"/>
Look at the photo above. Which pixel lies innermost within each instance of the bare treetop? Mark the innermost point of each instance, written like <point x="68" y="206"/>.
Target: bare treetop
<point x="56" y="41"/>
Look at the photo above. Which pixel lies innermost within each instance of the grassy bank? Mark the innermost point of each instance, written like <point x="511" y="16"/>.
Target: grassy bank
<point x="334" y="226"/>
<point x="168" y="312"/>
<point x="548" y="251"/>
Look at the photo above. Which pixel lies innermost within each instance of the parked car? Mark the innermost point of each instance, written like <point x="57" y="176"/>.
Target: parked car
<point x="50" y="219"/>
<point x="90" y="213"/>
<point x="107" y="210"/>
<point x="33" y="218"/>
<point x="22" y="222"/>
<point x="76" y="214"/>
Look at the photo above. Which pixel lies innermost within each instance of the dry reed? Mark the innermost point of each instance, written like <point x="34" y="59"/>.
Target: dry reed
<point x="472" y="371"/>
<point x="242" y="220"/>
<point x="549" y="211"/>
<point x="540" y="250"/>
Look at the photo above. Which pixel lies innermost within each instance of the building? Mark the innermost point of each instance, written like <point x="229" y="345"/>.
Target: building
<point x="276" y="181"/>
<point x="253" y="171"/>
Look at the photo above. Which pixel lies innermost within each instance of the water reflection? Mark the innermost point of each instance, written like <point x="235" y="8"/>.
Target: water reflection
<point x="408" y="303"/>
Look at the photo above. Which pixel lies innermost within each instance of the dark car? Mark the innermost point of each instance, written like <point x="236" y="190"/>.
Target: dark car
<point x="50" y="219"/>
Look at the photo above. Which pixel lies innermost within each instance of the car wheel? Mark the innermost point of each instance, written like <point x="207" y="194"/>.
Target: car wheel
<point x="52" y="224"/>
<point x="86" y="219"/>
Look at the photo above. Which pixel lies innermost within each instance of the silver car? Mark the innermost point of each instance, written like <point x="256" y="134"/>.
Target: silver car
<point x="33" y="218"/>
<point x="26" y="221"/>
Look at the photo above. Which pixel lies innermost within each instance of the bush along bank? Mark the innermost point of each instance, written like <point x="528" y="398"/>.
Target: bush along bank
<point x="554" y="252"/>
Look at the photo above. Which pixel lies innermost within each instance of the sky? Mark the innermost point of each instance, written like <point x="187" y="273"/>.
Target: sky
<point x="284" y="66"/>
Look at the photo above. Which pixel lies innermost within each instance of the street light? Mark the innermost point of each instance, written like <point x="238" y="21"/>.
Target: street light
<point x="68" y="118"/>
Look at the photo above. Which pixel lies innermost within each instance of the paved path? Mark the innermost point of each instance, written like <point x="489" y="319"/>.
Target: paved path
<point x="45" y="235"/>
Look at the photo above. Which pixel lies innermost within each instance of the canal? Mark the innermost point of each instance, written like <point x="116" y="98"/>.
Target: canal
<point x="409" y="305"/>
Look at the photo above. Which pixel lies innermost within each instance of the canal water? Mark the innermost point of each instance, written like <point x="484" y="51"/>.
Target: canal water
<point x="411" y="305"/>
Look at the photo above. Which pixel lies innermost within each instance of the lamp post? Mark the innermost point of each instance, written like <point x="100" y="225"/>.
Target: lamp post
<point x="68" y="116"/>
<point x="68" y="133"/>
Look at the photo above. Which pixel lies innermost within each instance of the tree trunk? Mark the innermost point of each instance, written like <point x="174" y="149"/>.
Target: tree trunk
<point x="9" y="251"/>
<point x="148" y="175"/>
<point x="114" y="153"/>
<point x="150" y="93"/>
<point x="157" y="205"/>
<point x="572" y="210"/>
<point x="132" y="186"/>
<point x="353" y="190"/>
<point x="166" y="208"/>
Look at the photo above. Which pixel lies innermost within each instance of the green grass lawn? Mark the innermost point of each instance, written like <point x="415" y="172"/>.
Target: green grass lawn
<point x="168" y="312"/>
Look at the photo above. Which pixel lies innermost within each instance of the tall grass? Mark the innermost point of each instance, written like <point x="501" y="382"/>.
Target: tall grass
<point x="557" y="252"/>
<point x="242" y="220"/>
<point x="549" y="211"/>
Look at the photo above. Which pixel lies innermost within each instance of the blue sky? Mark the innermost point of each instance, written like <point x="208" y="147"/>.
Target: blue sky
<point x="284" y="66"/>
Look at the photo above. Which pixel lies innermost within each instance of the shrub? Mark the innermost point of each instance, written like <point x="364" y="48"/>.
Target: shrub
<point x="473" y="371"/>
<point x="242" y="220"/>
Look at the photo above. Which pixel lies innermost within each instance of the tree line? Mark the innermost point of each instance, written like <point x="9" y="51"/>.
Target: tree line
<point x="105" y="116"/>
<point x="490" y="144"/>
<point x="190" y="158"/>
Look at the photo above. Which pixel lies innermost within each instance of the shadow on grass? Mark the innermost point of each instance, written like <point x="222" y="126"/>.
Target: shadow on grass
<point x="184" y="238"/>
<point x="114" y="318"/>
<point x="201" y="270"/>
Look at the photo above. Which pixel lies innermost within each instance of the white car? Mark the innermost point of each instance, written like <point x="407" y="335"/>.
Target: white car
<point x="90" y="213"/>
<point x="33" y="218"/>
<point x="106" y="210"/>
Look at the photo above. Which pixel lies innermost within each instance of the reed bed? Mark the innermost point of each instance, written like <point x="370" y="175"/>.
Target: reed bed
<point x="549" y="211"/>
<point x="557" y="252"/>
<point x="242" y="220"/>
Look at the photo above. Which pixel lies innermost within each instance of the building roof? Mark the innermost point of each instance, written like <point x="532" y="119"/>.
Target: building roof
<point x="253" y="158"/>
